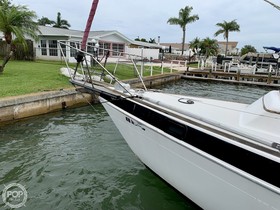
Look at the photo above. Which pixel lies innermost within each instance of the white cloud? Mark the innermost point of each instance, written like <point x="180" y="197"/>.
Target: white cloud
<point x="148" y="18"/>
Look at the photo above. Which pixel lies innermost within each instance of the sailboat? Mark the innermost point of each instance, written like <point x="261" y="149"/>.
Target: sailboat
<point x="219" y="154"/>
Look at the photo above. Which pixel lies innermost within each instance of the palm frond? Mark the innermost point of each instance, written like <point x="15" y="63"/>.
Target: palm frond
<point x="276" y="6"/>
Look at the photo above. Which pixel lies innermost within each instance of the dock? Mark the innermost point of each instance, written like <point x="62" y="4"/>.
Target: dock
<point x="231" y="77"/>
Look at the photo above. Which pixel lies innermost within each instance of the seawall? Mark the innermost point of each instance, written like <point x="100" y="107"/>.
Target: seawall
<point x="18" y="107"/>
<point x="153" y="81"/>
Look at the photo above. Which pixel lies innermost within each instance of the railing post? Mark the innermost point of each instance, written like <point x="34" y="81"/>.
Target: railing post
<point x="238" y="74"/>
<point x="151" y="67"/>
<point x="269" y="78"/>
<point x="142" y="63"/>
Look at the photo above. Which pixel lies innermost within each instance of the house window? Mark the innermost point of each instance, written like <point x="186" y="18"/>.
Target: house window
<point x="73" y="49"/>
<point x="53" y="47"/>
<point x="103" y="48"/>
<point x="117" y="49"/>
<point x="90" y="47"/>
<point x="63" y="48"/>
<point x="43" y="47"/>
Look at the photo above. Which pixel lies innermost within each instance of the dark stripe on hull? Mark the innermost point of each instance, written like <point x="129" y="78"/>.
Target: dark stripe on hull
<point x="254" y="164"/>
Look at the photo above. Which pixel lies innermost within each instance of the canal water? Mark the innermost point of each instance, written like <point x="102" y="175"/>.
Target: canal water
<point x="77" y="159"/>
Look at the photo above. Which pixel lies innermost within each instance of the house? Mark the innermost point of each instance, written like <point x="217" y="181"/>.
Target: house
<point x="47" y="47"/>
<point x="232" y="48"/>
<point x="176" y="48"/>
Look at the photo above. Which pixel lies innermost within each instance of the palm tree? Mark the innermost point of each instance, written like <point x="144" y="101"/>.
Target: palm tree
<point x="184" y="18"/>
<point x="16" y="21"/>
<point x="45" y="21"/>
<point x="276" y="6"/>
<point x="3" y="2"/>
<point x="248" y="48"/>
<point x="195" y="44"/>
<point x="209" y="47"/>
<point x="225" y="28"/>
<point x="60" y="23"/>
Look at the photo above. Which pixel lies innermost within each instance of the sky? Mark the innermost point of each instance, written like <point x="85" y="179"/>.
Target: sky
<point x="258" y="20"/>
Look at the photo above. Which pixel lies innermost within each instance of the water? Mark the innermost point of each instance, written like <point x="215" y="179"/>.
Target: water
<point x="76" y="159"/>
<point x="217" y="90"/>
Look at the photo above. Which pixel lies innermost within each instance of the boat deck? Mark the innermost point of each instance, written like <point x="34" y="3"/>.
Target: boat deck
<point x="231" y="116"/>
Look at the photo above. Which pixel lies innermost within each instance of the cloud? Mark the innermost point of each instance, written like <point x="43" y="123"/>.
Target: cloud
<point x="148" y="18"/>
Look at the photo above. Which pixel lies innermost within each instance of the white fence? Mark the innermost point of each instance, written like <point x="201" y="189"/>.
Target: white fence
<point x="143" y="52"/>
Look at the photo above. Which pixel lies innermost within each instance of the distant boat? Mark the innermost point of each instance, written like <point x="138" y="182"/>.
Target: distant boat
<point x="275" y="49"/>
<point x="242" y="68"/>
<point x="263" y="62"/>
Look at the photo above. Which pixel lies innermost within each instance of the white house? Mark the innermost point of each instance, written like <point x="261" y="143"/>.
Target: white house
<point x="176" y="48"/>
<point x="47" y="47"/>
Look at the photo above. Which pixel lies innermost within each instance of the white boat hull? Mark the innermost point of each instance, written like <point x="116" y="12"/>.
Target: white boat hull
<point x="207" y="181"/>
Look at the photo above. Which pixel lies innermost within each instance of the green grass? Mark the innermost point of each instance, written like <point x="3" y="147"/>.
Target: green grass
<point x="194" y="65"/>
<point x="23" y="77"/>
<point x="126" y="71"/>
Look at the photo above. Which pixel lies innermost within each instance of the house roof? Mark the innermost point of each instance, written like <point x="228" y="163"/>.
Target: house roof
<point x="61" y="32"/>
<point x="52" y="31"/>
<point x="146" y="44"/>
<point x="233" y="44"/>
<point x="100" y="34"/>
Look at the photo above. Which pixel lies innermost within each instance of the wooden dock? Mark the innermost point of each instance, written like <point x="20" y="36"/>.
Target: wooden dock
<point x="231" y="77"/>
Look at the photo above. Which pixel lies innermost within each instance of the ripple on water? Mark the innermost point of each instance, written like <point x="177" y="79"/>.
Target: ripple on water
<point x="76" y="159"/>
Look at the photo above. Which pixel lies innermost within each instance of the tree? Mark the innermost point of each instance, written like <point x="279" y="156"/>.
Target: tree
<point x="276" y="6"/>
<point x="16" y="21"/>
<point x="3" y="2"/>
<point x="184" y="18"/>
<point x="61" y="23"/>
<point x="152" y="40"/>
<point x="248" y="48"/>
<point x="195" y="44"/>
<point x="45" y="21"/>
<point x="145" y="40"/>
<point x="225" y="28"/>
<point x="209" y="47"/>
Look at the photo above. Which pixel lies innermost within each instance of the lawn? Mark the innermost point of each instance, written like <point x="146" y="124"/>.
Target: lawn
<point x="23" y="77"/>
<point x="126" y="71"/>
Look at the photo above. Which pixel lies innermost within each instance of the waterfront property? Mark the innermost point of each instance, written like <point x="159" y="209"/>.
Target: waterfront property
<point x="176" y="48"/>
<point x="98" y="42"/>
